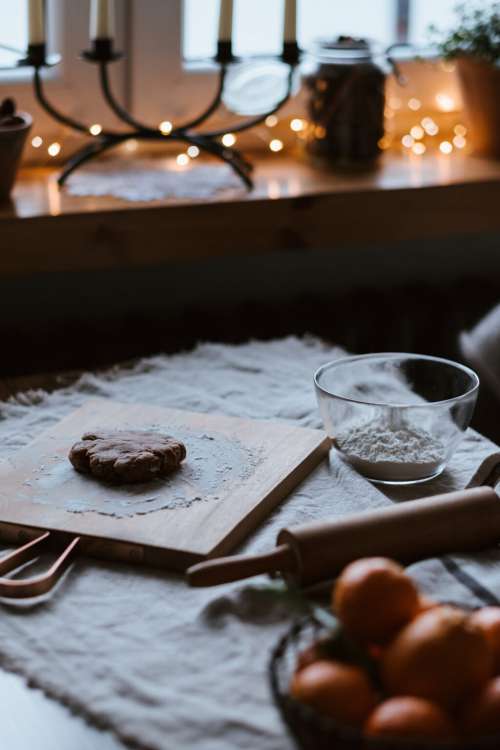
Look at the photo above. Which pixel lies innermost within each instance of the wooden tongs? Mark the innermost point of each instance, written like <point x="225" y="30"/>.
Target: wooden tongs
<point x="463" y="521"/>
<point x="36" y="586"/>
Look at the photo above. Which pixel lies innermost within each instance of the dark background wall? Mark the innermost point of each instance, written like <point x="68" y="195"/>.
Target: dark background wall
<point x="406" y="297"/>
<point x="414" y="297"/>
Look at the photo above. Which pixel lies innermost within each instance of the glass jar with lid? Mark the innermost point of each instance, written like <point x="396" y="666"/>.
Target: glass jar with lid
<point x="345" y="82"/>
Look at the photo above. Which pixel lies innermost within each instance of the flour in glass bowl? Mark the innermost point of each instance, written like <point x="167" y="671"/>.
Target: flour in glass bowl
<point x="400" y="452"/>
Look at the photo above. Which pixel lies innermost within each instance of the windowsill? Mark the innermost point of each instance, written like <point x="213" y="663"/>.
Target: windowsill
<point x="293" y="207"/>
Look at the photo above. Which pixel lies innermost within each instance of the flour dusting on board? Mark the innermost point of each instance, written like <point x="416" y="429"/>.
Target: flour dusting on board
<point x="214" y="465"/>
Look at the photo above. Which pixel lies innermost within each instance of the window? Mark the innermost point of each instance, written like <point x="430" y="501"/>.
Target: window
<point x="384" y="20"/>
<point x="441" y="13"/>
<point x="14" y="31"/>
<point x="318" y="18"/>
<point x="163" y="35"/>
<point x="72" y="84"/>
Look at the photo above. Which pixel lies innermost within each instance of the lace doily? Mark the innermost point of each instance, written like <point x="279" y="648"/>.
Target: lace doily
<point x="149" y="180"/>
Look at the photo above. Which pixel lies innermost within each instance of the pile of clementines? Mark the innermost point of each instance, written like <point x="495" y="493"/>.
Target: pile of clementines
<point x="436" y="673"/>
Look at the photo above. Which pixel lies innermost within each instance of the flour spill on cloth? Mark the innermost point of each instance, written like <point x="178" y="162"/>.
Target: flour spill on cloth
<point x="393" y="452"/>
<point x="214" y="465"/>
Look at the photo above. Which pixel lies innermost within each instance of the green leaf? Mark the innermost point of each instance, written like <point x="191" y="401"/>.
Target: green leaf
<point x="477" y="33"/>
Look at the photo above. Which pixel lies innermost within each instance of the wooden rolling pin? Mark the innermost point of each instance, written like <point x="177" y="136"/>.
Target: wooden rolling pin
<point x="463" y="521"/>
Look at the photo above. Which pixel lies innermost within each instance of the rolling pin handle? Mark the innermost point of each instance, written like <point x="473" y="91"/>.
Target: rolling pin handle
<point x="38" y="585"/>
<point x="238" y="567"/>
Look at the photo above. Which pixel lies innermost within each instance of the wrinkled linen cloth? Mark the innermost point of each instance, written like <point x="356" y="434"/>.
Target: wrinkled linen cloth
<point x="171" y="668"/>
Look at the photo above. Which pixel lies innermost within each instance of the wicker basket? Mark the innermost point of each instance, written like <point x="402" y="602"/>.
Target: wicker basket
<point x="314" y="732"/>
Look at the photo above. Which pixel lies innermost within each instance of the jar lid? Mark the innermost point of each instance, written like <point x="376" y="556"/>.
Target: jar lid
<point x="345" y="50"/>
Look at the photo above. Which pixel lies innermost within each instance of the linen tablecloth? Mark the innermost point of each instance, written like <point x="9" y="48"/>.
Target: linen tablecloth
<point x="136" y="651"/>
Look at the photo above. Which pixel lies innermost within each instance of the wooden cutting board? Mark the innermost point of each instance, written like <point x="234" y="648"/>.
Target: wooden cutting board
<point x="235" y="473"/>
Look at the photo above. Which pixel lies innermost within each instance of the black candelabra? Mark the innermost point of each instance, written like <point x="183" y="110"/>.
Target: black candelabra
<point x="103" y="54"/>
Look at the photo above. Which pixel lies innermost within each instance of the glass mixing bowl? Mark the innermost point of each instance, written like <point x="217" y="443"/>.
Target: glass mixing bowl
<point x="396" y="418"/>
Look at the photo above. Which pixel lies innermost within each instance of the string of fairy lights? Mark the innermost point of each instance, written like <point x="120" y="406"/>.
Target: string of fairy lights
<point x="442" y="131"/>
<point x="410" y="129"/>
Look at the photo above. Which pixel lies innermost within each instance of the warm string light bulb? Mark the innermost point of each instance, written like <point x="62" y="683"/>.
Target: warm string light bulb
<point x="95" y="129"/>
<point x="276" y="145"/>
<point x="271" y="121"/>
<point x="445" y="147"/>
<point x="165" y="127"/>
<point x="193" y="152"/>
<point x="228" y="140"/>
<point x="54" y="149"/>
<point x="430" y="126"/>
<point x="414" y="104"/>
<point x="37" y="141"/>
<point x="445" y="102"/>
<point x="297" y="125"/>
<point x="182" y="160"/>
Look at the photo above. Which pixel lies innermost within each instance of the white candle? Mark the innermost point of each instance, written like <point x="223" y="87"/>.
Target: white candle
<point x="290" y="21"/>
<point x="36" y="22"/>
<point x="226" y="21"/>
<point x="102" y="19"/>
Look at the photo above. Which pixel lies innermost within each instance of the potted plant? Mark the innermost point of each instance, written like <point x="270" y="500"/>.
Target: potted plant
<point x="475" y="46"/>
<point x="14" y="129"/>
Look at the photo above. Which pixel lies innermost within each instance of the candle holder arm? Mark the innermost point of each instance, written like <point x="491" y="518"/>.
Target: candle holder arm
<point x="212" y="107"/>
<point x="69" y="122"/>
<point x="234" y="160"/>
<point x="126" y="117"/>
<point x="115" y="106"/>
<point x="87" y="153"/>
<point x="230" y="156"/>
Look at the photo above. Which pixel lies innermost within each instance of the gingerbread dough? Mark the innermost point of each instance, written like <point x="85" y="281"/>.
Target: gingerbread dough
<point x="126" y="457"/>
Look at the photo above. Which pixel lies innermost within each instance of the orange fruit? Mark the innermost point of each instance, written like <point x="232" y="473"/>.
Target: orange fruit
<point x="482" y="714"/>
<point x="374" y="598"/>
<point x="425" y="603"/>
<point x="440" y="656"/>
<point x="339" y="691"/>
<point x="410" y="718"/>
<point x="488" y="620"/>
